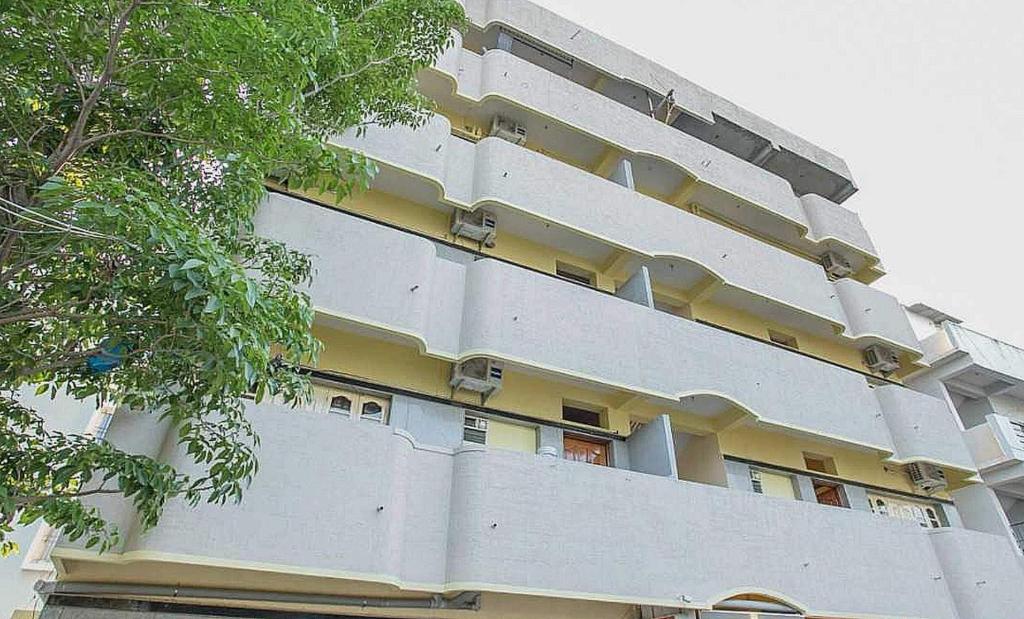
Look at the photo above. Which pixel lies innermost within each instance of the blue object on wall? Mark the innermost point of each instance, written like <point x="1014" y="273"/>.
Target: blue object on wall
<point x="108" y="357"/>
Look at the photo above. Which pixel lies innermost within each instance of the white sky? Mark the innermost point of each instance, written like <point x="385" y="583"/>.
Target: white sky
<point x="924" y="99"/>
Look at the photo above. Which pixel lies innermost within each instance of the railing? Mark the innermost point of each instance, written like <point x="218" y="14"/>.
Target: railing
<point x="1018" y="533"/>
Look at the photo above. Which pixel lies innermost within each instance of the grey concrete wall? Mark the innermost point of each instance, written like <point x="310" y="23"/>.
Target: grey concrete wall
<point x="699" y="459"/>
<point x="651" y="449"/>
<point x="923" y="428"/>
<point x="983" y="572"/>
<point x="986" y="351"/>
<point x="830" y="221"/>
<point x="428" y="422"/>
<point x="637" y="289"/>
<point x="872" y="313"/>
<point x="739" y="475"/>
<point x="495" y="309"/>
<point x="974" y="411"/>
<point x="980" y="510"/>
<point x="506" y="521"/>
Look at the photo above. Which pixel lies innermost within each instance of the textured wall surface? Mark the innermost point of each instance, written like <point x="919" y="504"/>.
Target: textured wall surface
<point x="439" y="519"/>
<point x="492" y="308"/>
<point x="923" y="427"/>
<point x="496" y="172"/>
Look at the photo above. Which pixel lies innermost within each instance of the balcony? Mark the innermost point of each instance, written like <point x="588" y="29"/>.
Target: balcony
<point x="386" y="279"/>
<point x="341" y="500"/>
<point x="530" y="191"/>
<point x="590" y="58"/>
<point x="976" y="365"/>
<point x="564" y="117"/>
<point x="997" y="446"/>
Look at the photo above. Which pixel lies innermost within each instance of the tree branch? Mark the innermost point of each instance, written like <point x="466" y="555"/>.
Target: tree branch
<point x="70" y="144"/>
<point x="344" y="76"/>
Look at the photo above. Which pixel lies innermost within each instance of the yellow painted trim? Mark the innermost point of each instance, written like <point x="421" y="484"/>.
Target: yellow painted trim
<point x="607" y="162"/>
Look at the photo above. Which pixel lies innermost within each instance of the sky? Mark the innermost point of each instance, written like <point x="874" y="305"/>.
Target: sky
<point x="924" y="99"/>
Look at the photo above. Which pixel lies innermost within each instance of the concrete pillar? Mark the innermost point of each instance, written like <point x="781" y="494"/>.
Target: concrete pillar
<point x="652" y="450"/>
<point x="805" y="489"/>
<point x="623" y="174"/>
<point x="980" y="510"/>
<point x="738" y="475"/>
<point x="549" y="442"/>
<point x="638" y="289"/>
<point x="620" y="455"/>
<point x="857" y="497"/>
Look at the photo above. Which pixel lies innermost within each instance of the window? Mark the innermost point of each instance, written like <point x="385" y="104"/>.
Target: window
<point x="770" y="483"/>
<point x="821" y="464"/>
<point x="474" y="430"/>
<point x="585" y="449"/>
<point x="575" y="274"/>
<point x="783" y="339"/>
<point x="828" y="493"/>
<point x="499" y="433"/>
<point x="581" y="413"/>
<point x="338" y="401"/>
<point x="373" y="409"/>
<point x="925" y="514"/>
<point x="341" y="405"/>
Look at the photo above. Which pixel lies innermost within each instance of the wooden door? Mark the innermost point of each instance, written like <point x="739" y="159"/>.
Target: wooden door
<point x="581" y="449"/>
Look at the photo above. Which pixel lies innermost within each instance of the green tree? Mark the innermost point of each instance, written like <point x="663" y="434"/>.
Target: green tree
<point x="136" y="138"/>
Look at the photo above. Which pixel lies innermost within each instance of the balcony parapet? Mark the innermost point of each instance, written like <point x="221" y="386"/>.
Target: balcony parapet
<point x="997" y="446"/>
<point x="546" y="27"/>
<point x="495" y="172"/>
<point x="384" y="278"/>
<point x="440" y="520"/>
<point x="923" y="428"/>
<point x="725" y="178"/>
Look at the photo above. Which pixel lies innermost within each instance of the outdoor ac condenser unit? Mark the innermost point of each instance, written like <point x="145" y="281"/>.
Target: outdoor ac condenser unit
<point x="835" y="265"/>
<point x="927" y="477"/>
<point x="508" y="130"/>
<point x="481" y="375"/>
<point x="479" y="225"/>
<point x="882" y="359"/>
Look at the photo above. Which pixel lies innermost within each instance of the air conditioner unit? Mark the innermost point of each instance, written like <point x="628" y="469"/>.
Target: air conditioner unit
<point x="927" y="477"/>
<point x="882" y="359"/>
<point x="479" y="225"/>
<point x="474" y="430"/>
<point x="836" y="266"/>
<point x="481" y="375"/>
<point x="508" y="130"/>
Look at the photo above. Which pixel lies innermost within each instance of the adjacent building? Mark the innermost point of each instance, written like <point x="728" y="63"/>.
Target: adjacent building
<point x="598" y="344"/>
<point x="983" y="379"/>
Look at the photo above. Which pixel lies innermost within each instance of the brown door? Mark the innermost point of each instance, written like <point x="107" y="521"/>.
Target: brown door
<point x="581" y="449"/>
<point x="828" y="494"/>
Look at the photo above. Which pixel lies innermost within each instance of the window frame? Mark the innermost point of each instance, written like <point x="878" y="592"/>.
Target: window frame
<point x="576" y="274"/>
<point x="324" y="394"/>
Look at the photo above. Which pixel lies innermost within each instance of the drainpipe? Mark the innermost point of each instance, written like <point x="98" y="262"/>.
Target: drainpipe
<point x="467" y="600"/>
